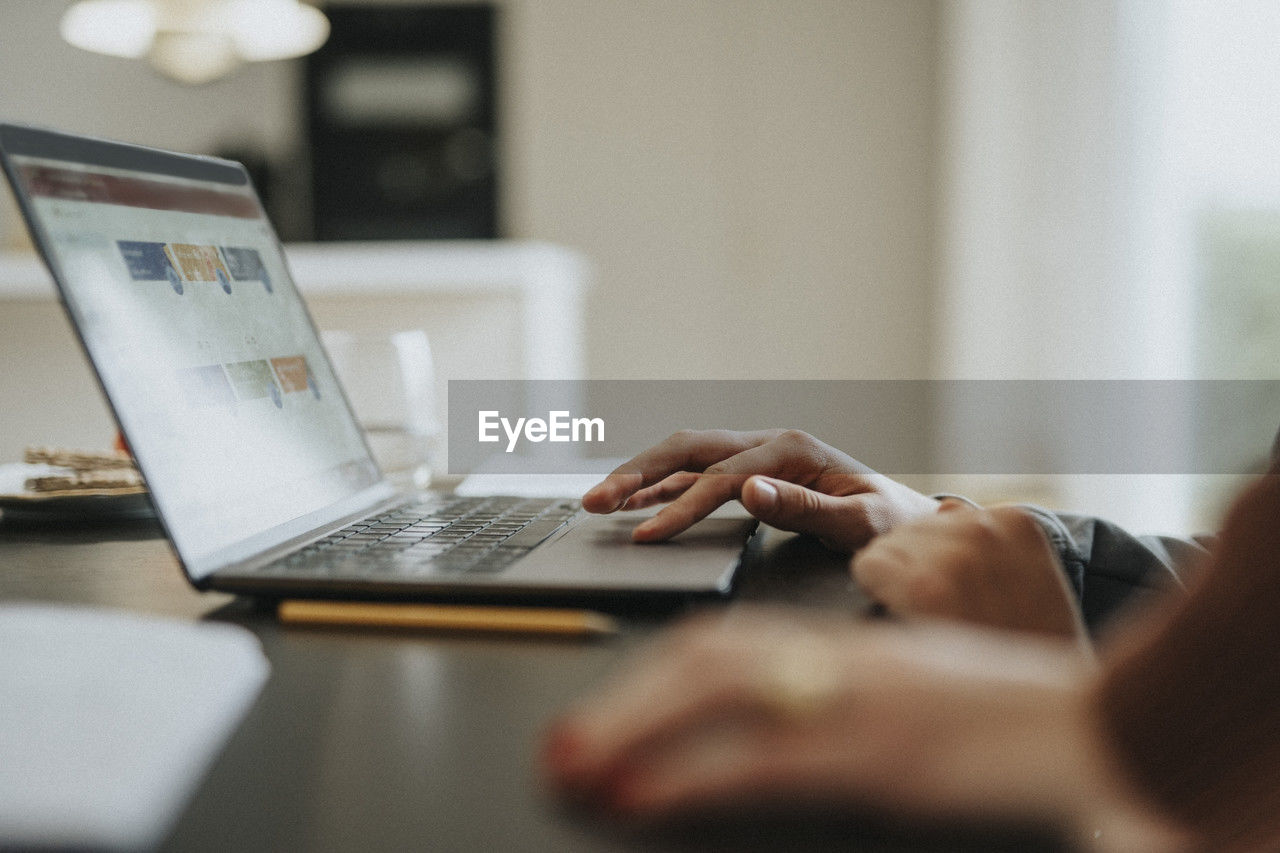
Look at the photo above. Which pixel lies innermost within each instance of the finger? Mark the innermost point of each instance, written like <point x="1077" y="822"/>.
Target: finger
<point x="612" y="492"/>
<point x="720" y="483"/>
<point x="698" y="674"/>
<point x="596" y="755"/>
<point x="840" y="521"/>
<point x="923" y="571"/>
<point x="668" y="490"/>
<point x="702" y="769"/>
<point x="587" y="746"/>
<point x="698" y="501"/>
<point x="729" y="764"/>
<point x="684" y="451"/>
<point x="883" y="571"/>
<point x="869" y="567"/>
<point x="753" y="758"/>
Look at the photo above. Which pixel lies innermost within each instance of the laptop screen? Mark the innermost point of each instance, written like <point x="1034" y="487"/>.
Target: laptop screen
<point x="177" y="285"/>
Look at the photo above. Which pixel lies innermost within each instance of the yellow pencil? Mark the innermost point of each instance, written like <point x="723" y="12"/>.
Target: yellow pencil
<point x="448" y="617"/>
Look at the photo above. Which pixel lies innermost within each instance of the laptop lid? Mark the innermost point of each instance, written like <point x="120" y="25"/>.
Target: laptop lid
<point x="178" y="288"/>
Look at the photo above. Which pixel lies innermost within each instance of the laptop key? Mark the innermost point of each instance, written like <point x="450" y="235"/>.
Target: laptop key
<point x="389" y="545"/>
<point x="474" y="535"/>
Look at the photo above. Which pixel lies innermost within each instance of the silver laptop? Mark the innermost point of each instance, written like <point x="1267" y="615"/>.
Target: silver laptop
<point x="176" y="284"/>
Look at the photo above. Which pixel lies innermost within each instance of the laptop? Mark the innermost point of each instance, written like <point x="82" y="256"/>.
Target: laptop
<point x="178" y="289"/>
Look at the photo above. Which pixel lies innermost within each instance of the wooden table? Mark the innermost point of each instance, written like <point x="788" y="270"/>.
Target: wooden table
<point x="366" y="740"/>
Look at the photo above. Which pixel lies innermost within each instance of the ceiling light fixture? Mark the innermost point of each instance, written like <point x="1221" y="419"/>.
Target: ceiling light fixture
<point x="196" y="41"/>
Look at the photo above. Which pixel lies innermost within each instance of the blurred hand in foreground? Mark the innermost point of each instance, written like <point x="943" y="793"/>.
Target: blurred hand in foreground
<point x="786" y="478"/>
<point x="992" y="567"/>
<point x="764" y="709"/>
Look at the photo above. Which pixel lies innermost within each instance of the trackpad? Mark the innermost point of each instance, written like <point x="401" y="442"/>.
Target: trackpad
<point x="710" y="532"/>
<point x="598" y="554"/>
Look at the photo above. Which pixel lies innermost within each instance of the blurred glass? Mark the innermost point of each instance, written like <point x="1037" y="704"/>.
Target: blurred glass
<point x="389" y="379"/>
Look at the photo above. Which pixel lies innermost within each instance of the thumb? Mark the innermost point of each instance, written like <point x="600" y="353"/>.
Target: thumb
<point x="791" y="507"/>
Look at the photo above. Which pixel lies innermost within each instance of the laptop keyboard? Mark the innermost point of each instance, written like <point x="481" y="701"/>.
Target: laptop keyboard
<point x="447" y="535"/>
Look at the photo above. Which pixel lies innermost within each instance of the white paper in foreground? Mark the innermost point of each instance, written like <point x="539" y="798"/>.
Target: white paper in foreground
<point x="108" y="720"/>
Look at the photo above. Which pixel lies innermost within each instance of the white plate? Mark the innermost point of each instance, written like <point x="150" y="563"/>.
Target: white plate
<point x="86" y="504"/>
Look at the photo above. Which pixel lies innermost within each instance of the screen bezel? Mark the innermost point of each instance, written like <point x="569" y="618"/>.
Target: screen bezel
<point x="21" y="140"/>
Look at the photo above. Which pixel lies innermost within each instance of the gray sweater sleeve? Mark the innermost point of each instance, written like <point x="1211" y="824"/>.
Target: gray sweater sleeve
<point x="1110" y="568"/>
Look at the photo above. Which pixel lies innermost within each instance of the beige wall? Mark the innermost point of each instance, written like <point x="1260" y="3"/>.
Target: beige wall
<point x="48" y="392"/>
<point x="753" y="179"/>
<point x="48" y="82"/>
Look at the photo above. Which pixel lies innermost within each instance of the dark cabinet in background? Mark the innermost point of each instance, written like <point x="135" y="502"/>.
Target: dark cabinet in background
<point x="401" y="123"/>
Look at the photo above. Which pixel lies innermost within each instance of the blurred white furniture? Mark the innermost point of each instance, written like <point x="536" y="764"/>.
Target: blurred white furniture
<point x="546" y="283"/>
<point x="493" y="309"/>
